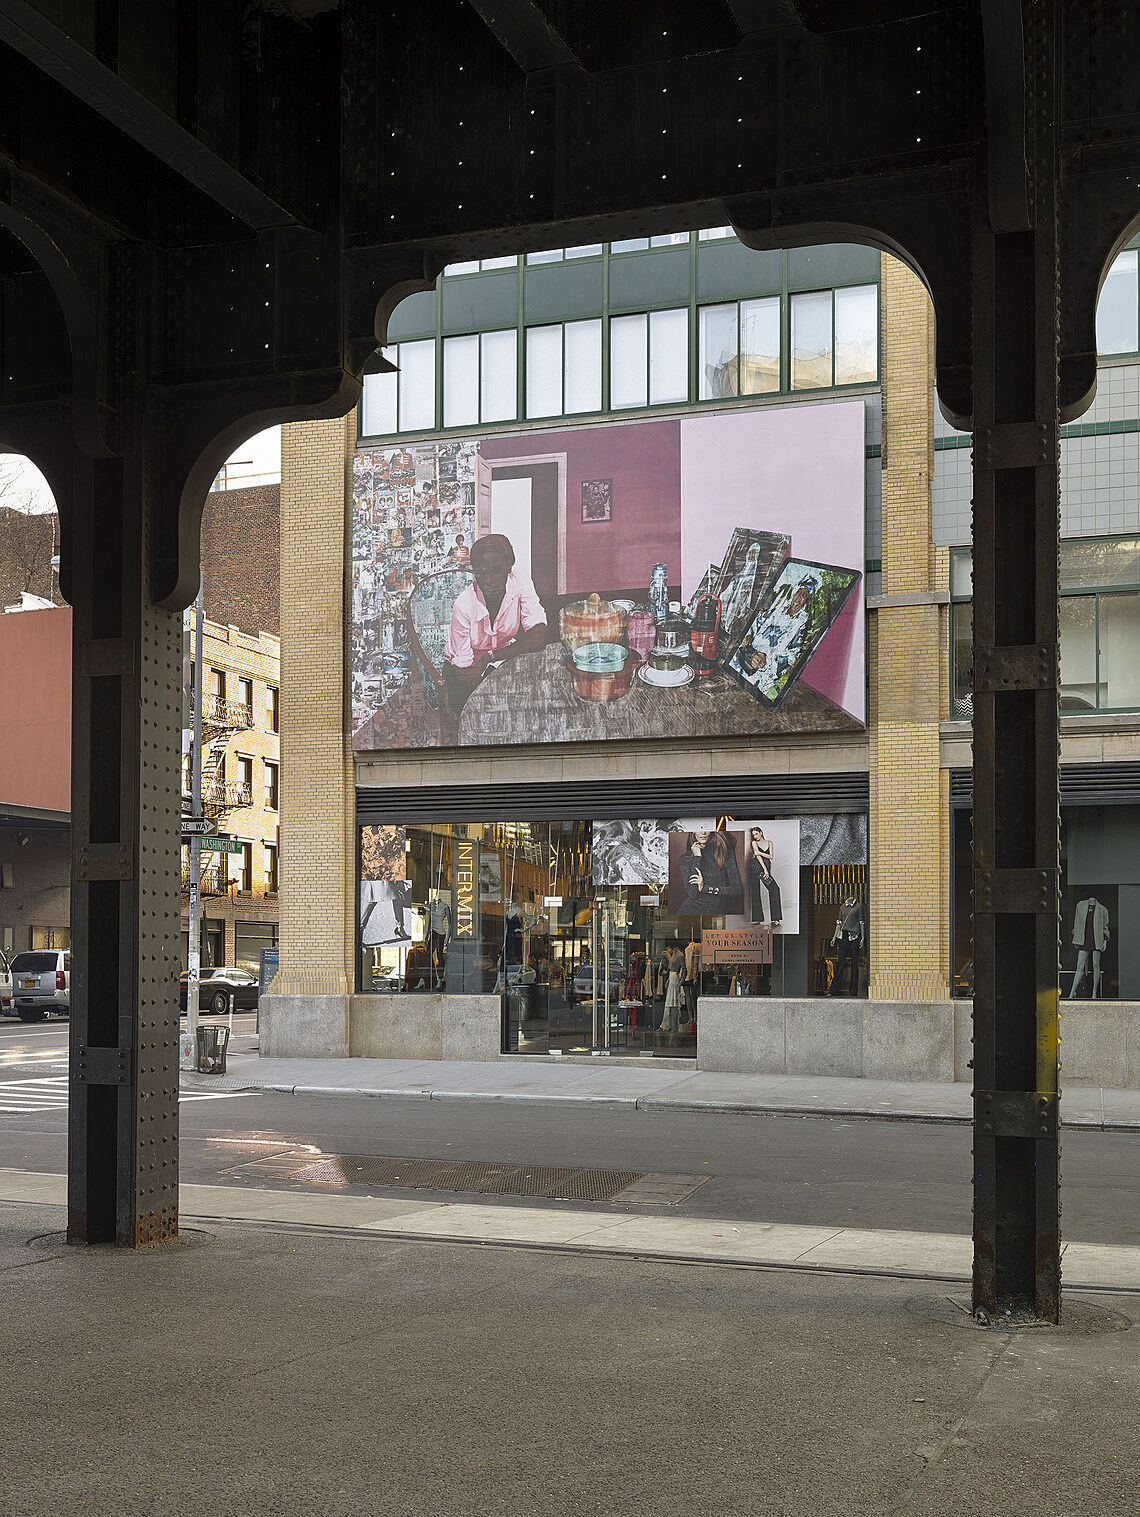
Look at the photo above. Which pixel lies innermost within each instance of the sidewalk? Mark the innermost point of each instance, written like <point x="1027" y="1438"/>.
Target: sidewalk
<point x="630" y="1083"/>
<point x="332" y="1356"/>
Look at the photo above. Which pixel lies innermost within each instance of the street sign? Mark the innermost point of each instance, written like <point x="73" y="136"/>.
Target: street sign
<point x="221" y="845"/>
<point x="196" y="826"/>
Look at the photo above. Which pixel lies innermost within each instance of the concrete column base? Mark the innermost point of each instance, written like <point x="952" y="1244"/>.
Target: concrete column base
<point x="303" y="1027"/>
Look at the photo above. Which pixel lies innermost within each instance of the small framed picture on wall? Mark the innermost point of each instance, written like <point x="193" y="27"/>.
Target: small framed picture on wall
<point x="597" y="500"/>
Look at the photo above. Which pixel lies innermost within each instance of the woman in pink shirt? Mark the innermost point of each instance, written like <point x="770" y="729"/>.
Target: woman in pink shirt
<point x="498" y="617"/>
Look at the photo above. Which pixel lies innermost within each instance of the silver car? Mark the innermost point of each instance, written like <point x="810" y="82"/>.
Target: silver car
<point x="41" y="983"/>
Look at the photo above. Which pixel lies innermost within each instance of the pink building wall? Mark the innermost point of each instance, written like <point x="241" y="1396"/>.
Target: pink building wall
<point x="35" y="709"/>
<point x="644" y="462"/>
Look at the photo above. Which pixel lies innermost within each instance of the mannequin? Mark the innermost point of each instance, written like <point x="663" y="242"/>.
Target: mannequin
<point x="674" y="968"/>
<point x="850" y="931"/>
<point x="1090" y="937"/>
<point x="440" y="918"/>
<point x="689" y="982"/>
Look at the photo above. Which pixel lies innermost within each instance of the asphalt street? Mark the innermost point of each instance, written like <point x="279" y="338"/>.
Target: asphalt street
<point x="760" y="1167"/>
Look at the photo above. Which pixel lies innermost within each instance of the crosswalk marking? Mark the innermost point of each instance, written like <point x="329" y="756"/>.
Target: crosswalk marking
<point x="49" y="1093"/>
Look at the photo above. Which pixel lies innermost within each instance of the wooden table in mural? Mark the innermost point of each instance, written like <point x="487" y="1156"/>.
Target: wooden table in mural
<point x="531" y="699"/>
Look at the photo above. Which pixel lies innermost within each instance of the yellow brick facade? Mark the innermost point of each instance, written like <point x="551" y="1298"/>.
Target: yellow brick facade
<point x="318" y="818"/>
<point x="227" y="896"/>
<point x="909" y="806"/>
<point x="909" y="865"/>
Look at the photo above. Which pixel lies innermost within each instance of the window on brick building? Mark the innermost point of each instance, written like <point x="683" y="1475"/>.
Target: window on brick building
<point x="245" y="777"/>
<point x="270" y="868"/>
<point x="241" y="867"/>
<point x="271" y="795"/>
<point x="272" y="721"/>
<point x="245" y="695"/>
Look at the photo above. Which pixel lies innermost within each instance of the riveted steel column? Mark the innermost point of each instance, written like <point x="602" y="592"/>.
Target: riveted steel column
<point x="123" y="1121"/>
<point x="1016" y="730"/>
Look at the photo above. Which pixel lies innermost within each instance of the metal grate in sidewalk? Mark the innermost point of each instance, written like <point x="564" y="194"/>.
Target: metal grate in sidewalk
<point x="539" y="1181"/>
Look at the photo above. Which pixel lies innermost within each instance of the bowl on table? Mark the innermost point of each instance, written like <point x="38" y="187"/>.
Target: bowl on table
<point x="602" y="671"/>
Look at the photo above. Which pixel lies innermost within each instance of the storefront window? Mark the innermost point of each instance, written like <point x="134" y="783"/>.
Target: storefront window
<point x="249" y="939"/>
<point x="568" y="921"/>
<point x="1100" y="903"/>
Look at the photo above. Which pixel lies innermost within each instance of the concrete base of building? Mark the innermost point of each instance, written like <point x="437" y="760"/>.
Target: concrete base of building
<point x="901" y="1040"/>
<point x="927" y="1041"/>
<point x="425" y="1027"/>
<point x="303" y="1027"/>
<point x="847" y="1038"/>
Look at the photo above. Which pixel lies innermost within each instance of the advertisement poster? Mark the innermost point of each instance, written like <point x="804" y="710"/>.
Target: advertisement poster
<point x="706" y="873"/>
<point x="749" y="873"/>
<point x="383" y="853"/>
<point x="385" y="912"/>
<point x="631" y="851"/>
<point x="770" y="875"/>
<point x="696" y="576"/>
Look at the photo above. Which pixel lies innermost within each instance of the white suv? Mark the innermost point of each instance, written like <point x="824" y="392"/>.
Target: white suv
<point x="41" y="983"/>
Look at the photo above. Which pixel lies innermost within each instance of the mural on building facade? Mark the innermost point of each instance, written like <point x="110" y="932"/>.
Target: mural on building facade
<point x="690" y="577"/>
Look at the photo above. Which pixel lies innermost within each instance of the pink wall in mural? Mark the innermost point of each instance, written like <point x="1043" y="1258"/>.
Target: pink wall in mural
<point x="644" y="462"/>
<point x="799" y="470"/>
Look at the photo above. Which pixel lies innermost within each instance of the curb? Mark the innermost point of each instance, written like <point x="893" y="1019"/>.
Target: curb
<point x="646" y="1103"/>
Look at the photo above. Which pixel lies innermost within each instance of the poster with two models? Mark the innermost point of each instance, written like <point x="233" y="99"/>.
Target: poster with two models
<point x="749" y="873"/>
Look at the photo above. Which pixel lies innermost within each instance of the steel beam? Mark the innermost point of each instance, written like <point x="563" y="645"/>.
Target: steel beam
<point x="526" y="33"/>
<point x="1016" y="724"/>
<point x="25" y="29"/>
<point x="127" y="658"/>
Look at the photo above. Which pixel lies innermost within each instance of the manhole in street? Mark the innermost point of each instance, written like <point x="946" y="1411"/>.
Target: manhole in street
<point x="546" y="1182"/>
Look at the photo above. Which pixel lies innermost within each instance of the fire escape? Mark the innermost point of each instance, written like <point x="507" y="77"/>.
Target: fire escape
<point x="221" y="719"/>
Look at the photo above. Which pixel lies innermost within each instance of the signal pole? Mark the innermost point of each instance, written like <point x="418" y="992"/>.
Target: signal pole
<point x="193" y="957"/>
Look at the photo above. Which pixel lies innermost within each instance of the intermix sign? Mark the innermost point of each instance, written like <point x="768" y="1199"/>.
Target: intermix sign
<point x="465" y="875"/>
<point x="738" y="945"/>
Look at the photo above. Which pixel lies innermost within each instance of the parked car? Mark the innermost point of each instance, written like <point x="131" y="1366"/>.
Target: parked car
<point x="6" y="986"/>
<point x="41" y="983"/>
<point x="215" y="987"/>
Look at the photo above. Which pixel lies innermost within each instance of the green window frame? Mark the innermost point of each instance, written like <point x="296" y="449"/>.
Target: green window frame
<point x="385" y="406"/>
<point x="1099" y="627"/>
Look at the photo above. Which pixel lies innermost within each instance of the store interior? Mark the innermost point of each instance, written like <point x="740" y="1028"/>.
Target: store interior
<point x="583" y="962"/>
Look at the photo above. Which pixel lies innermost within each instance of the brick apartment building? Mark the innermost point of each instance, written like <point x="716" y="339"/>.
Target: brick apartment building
<point x="241" y="748"/>
<point x="240" y="556"/>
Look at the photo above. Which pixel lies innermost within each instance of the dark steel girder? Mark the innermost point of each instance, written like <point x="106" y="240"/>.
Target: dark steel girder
<point x="25" y="29"/>
<point x="527" y="35"/>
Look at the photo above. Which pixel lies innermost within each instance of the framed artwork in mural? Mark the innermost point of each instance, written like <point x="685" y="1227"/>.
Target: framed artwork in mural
<point x="597" y="500"/>
<point x="789" y="626"/>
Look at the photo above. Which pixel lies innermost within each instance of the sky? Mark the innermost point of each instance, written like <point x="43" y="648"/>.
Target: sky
<point x="257" y="461"/>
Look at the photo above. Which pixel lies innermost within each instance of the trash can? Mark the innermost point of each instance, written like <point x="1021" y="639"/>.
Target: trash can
<point x="212" y="1044"/>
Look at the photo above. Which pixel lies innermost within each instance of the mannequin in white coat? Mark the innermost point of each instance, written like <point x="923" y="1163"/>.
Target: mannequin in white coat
<point x="1090" y="936"/>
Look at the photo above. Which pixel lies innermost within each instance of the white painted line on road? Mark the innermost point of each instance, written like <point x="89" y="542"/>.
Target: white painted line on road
<point x="44" y="1093"/>
<point x="49" y="1093"/>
